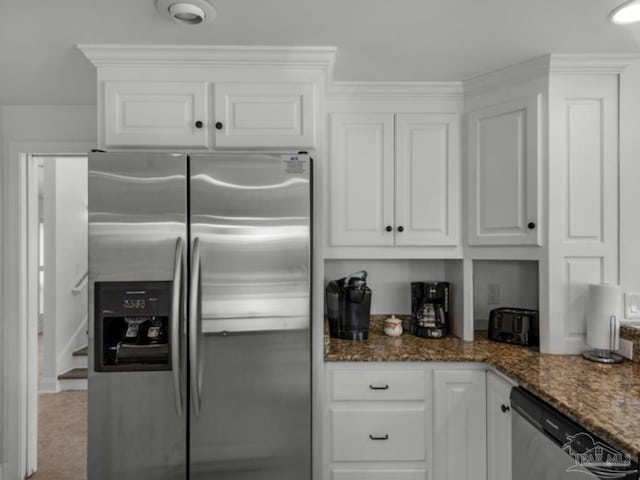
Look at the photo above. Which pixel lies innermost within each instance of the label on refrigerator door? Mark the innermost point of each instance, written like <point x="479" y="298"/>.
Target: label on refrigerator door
<point x="295" y="163"/>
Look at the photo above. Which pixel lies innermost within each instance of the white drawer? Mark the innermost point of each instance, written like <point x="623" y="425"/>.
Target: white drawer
<point x="378" y="435"/>
<point x="396" y="474"/>
<point x="378" y="385"/>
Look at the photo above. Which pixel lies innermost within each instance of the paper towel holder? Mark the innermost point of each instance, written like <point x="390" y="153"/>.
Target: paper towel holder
<point x="606" y="355"/>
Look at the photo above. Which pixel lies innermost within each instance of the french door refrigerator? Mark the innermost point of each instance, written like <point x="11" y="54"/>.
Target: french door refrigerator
<point x="200" y="362"/>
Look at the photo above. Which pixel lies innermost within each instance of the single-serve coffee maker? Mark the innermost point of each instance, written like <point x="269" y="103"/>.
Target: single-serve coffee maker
<point x="430" y="309"/>
<point x="348" y="307"/>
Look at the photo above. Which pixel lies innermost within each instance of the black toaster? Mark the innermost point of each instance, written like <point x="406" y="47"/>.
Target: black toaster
<point x="520" y="326"/>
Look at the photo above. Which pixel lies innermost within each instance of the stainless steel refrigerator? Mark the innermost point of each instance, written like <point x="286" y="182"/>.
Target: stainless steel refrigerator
<point x="200" y="362"/>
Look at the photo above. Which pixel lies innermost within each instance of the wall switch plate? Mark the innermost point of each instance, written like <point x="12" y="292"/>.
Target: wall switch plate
<point x="493" y="294"/>
<point x="632" y="305"/>
<point x="625" y="349"/>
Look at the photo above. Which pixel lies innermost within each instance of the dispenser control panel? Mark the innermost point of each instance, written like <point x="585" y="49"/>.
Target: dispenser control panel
<point x="132" y="326"/>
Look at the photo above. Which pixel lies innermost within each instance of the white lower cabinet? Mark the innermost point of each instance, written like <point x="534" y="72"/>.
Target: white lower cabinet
<point x="459" y="424"/>
<point x="395" y="474"/>
<point x="498" y="428"/>
<point x="416" y="421"/>
<point x="377" y="418"/>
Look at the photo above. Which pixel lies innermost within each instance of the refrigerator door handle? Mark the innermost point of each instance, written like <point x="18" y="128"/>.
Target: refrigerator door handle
<point x="194" y="334"/>
<point x="176" y="314"/>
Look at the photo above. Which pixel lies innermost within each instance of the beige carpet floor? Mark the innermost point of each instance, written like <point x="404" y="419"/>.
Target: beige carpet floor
<point x="62" y="436"/>
<point x="62" y="433"/>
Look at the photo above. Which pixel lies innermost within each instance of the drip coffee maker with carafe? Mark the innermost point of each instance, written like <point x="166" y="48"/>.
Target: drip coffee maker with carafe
<point x="348" y="307"/>
<point x="430" y="309"/>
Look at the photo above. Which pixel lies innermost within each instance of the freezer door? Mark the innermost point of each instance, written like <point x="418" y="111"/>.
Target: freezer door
<point x="250" y="388"/>
<point x="137" y="216"/>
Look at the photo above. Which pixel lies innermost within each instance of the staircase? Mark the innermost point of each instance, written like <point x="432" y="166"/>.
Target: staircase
<point x="76" y="378"/>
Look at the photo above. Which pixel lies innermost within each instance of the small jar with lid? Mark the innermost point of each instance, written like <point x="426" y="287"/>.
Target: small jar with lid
<point x="393" y="326"/>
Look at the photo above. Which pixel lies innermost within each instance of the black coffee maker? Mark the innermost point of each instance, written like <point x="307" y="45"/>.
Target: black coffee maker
<point x="430" y="309"/>
<point x="348" y="307"/>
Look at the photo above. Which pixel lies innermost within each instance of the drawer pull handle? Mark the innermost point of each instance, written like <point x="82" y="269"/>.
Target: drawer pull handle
<point x="385" y="437"/>
<point x="385" y="387"/>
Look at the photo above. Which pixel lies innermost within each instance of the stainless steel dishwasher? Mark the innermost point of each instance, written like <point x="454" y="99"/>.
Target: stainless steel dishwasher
<point x="546" y="445"/>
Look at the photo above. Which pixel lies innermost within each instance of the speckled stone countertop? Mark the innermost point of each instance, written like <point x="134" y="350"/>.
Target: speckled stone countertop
<point x="605" y="399"/>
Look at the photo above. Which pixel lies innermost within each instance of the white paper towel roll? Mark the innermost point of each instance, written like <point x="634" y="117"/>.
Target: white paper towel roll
<point x="604" y="302"/>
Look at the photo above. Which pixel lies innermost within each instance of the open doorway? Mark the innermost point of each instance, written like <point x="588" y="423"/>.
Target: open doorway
<point x="57" y="218"/>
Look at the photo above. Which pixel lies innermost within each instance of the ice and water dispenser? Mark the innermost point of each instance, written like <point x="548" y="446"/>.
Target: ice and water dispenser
<point x="132" y="326"/>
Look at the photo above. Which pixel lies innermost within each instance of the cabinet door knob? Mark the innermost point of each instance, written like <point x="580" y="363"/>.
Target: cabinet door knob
<point x="531" y="225"/>
<point x="505" y="408"/>
<point x="388" y="228"/>
<point x="219" y="125"/>
<point x="199" y="124"/>
<point x="383" y="437"/>
<point x="401" y="228"/>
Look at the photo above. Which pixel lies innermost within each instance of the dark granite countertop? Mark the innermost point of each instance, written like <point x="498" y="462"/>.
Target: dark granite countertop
<point x="605" y="399"/>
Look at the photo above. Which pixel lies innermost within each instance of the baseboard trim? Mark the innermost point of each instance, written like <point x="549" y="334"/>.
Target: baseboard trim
<point x="48" y="385"/>
<point x="75" y="384"/>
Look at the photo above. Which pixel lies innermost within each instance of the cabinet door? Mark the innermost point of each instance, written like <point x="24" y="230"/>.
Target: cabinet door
<point x="498" y="428"/>
<point x="156" y="114"/>
<point x="427" y="181"/>
<point x="459" y="425"/>
<point x="361" y="173"/>
<point x="267" y="115"/>
<point x="504" y="174"/>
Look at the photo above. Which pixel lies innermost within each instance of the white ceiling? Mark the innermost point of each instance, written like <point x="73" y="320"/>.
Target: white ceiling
<point x="376" y="39"/>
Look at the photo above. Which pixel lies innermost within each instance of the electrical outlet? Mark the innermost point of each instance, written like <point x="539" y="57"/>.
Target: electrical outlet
<point x="493" y="294"/>
<point x="626" y="349"/>
<point x="632" y="305"/>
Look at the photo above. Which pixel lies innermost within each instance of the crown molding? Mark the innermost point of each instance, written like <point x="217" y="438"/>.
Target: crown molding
<point x="351" y="90"/>
<point x="606" y="63"/>
<point x="209" y="55"/>
<point x="518" y="72"/>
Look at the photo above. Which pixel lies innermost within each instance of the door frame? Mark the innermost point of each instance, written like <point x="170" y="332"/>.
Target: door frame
<point x="19" y="328"/>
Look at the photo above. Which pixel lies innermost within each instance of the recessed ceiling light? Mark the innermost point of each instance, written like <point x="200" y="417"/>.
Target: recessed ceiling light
<point x="187" y="12"/>
<point x="628" y="12"/>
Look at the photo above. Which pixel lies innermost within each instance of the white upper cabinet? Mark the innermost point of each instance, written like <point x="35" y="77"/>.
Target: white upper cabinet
<point x="427" y="175"/>
<point x="394" y="179"/>
<point x="156" y="114"/>
<point x="264" y="114"/>
<point x="503" y="174"/>
<point x="205" y="97"/>
<point x="176" y="115"/>
<point x="361" y="171"/>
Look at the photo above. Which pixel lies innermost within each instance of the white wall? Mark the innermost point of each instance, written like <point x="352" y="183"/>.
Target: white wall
<point x="20" y="124"/>
<point x="389" y="280"/>
<point x="630" y="179"/>
<point x="516" y="280"/>
<point x="65" y="199"/>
